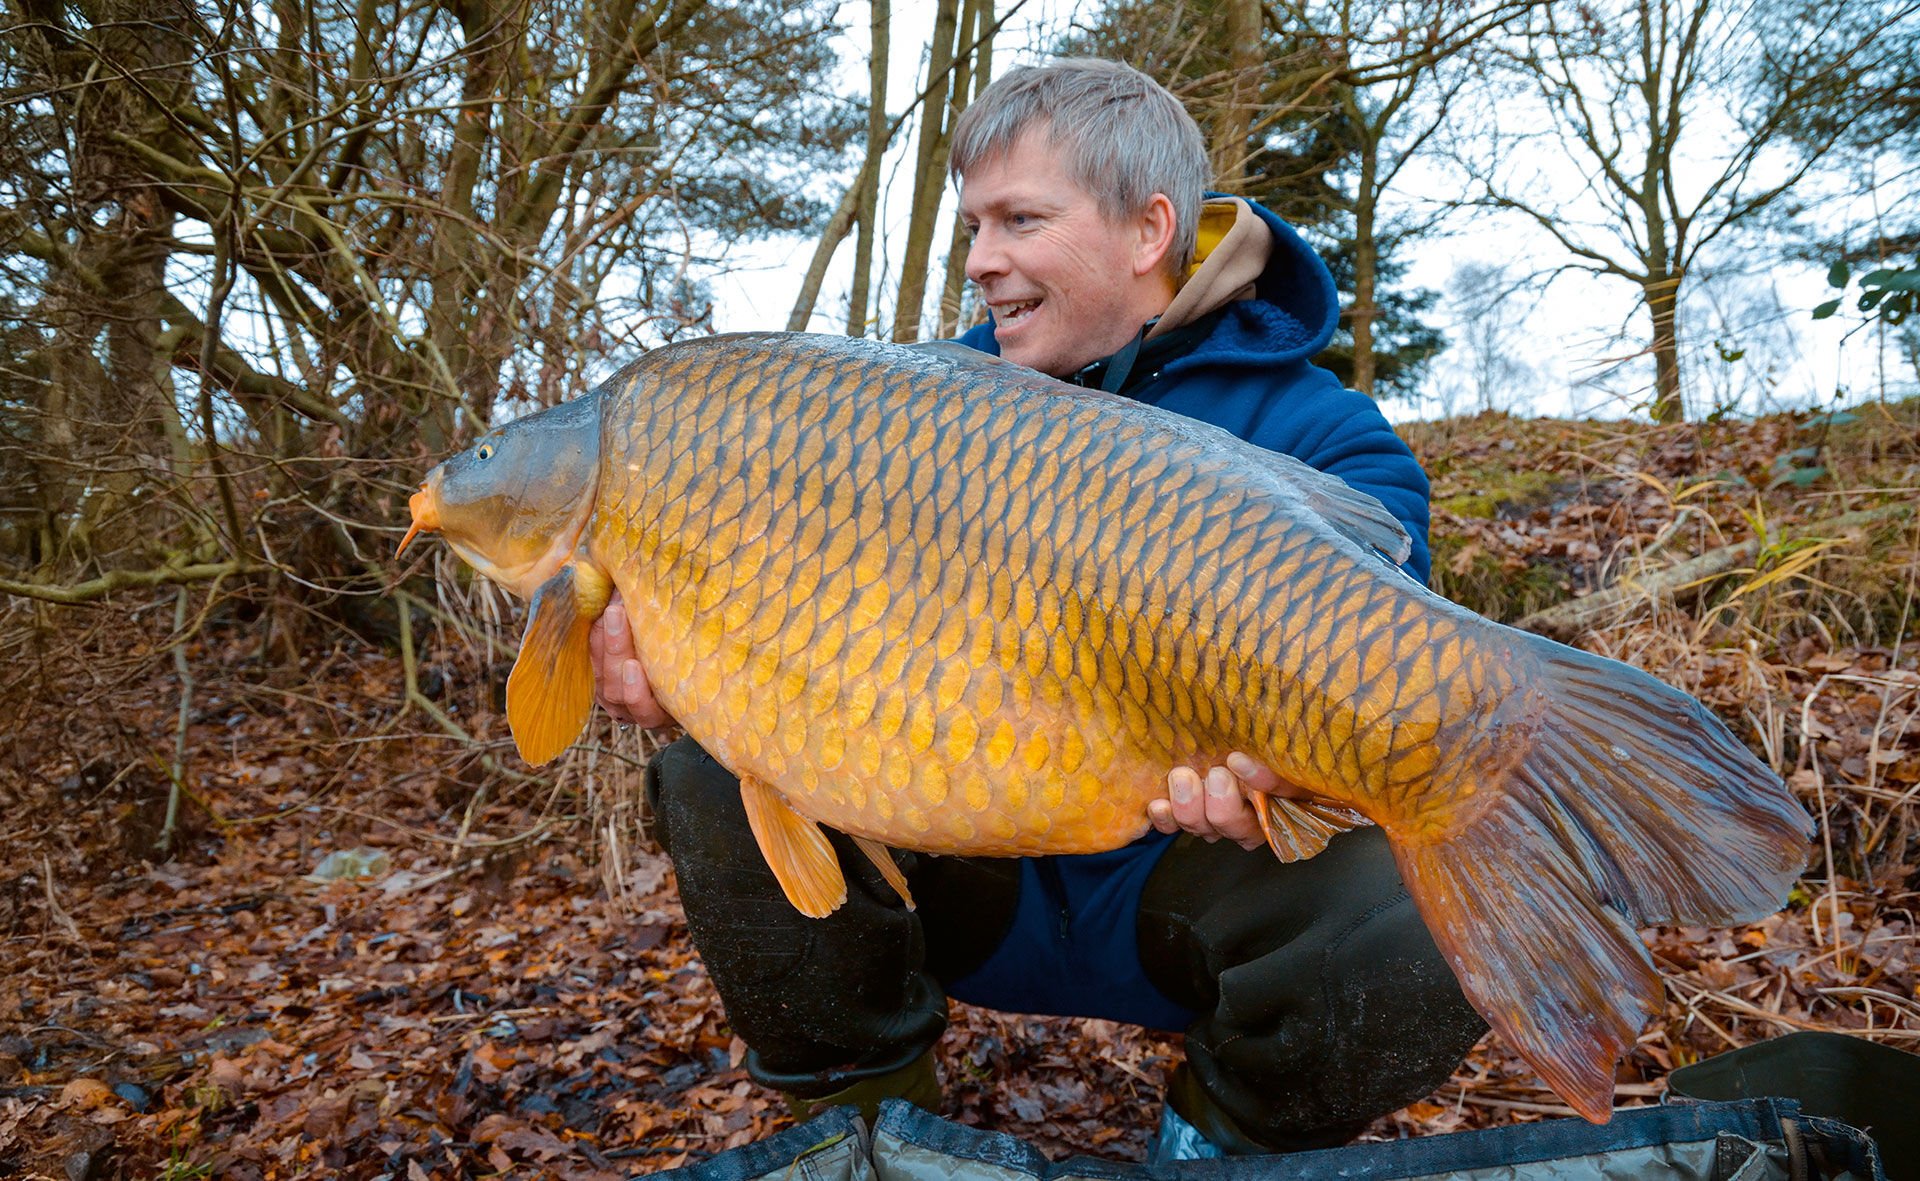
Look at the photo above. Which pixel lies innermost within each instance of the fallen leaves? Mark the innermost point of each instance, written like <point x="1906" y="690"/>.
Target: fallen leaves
<point x="491" y="1000"/>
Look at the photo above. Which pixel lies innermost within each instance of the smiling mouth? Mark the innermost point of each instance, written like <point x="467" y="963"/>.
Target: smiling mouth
<point x="1014" y="313"/>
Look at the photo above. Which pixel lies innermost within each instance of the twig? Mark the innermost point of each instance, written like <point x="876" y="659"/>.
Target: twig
<point x="1694" y="1013"/>
<point x="466" y="821"/>
<point x="113" y="580"/>
<point x="492" y="1014"/>
<point x="177" y="772"/>
<point x="54" y="909"/>
<point x="1826" y="828"/>
<point x="1515" y="1105"/>
<point x="1748" y="1009"/>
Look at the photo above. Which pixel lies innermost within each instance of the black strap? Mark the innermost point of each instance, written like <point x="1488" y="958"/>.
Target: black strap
<point x="1121" y="363"/>
<point x="1140" y="360"/>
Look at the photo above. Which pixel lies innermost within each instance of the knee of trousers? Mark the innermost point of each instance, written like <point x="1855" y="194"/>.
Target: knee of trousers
<point x="1323" y="1000"/>
<point x="1322" y="1039"/>
<point x="693" y="802"/>
<point x="807" y="995"/>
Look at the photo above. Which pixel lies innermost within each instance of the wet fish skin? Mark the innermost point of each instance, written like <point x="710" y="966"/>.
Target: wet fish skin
<point x="953" y="606"/>
<point x="972" y="624"/>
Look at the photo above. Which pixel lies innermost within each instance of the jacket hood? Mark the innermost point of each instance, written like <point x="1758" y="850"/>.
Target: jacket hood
<point x="1231" y="249"/>
<point x="1293" y="307"/>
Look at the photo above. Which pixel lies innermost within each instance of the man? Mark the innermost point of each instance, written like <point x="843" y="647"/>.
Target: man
<point x="1312" y="997"/>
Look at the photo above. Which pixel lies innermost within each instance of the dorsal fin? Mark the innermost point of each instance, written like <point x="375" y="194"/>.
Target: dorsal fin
<point x="1350" y="512"/>
<point x="953" y="350"/>
<point x="1346" y="508"/>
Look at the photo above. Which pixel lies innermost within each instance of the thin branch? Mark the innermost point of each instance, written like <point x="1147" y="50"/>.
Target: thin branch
<point x="115" y="580"/>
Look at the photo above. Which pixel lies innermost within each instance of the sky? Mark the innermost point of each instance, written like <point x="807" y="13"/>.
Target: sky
<point x="1565" y="344"/>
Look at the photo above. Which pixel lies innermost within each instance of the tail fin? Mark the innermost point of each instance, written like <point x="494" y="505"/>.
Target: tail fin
<point x="1633" y="806"/>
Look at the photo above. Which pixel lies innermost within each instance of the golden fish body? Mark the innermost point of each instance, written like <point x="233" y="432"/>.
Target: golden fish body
<point x="989" y="621"/>
<point x="943" y="603"/>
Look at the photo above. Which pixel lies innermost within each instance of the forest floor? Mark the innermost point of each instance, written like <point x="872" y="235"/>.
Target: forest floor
<point x="504" y="983"/>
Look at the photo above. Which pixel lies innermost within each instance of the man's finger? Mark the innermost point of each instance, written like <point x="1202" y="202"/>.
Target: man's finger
<point x="1228" y="812"/>
<point x="1160" y="815"/>
<point x="614" y="621"/>
<point x="1186" y="796"/>
<point x="1256" y="776"/>
<point x="610" y="646"/>
<point x="1252" y="774"/>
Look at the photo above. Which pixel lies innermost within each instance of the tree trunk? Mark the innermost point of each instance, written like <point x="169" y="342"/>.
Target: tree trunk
<point x="978" y="27"/>
<point x="1684" y="581"/>
<point x="463" y="318"/>
<point x="1235" y="124"/>
<point x="1365" y="308"/>
<point x="109" y="417"/>
<point x="929" y="179"/>
<point x="869" y="205"/>
<point x="1662" y="295"/>
<point x="838" y="226"/>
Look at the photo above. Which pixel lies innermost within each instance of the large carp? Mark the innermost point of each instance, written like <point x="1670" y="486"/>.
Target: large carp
<point x="943" y="603"/>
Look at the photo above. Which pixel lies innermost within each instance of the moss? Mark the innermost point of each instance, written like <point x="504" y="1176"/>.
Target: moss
<point x="1486" y="491"/>
<point x="1489" y="587"/>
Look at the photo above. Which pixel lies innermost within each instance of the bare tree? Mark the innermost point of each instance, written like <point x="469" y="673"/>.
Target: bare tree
<point x="262" y="264"/>
<point x="1402" y="71"/>
<point x="975" y="45"/>
<point x="1485" y="301"/>
<point x="1661" y="109"/>
<point x="953" y="291"/>
<point x="948" y="65"/>
<point x="1751" y="340"/>
<point x="358" y="230"/>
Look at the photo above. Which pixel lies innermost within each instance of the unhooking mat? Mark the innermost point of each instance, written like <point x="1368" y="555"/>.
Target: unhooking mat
<point x="1750" y="1140"/>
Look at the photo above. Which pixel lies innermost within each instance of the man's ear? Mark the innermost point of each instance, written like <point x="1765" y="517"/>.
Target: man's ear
<point x="1156" y="225"/>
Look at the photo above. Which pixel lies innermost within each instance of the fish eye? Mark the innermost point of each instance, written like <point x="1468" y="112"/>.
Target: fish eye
<point x="484" y="451"/>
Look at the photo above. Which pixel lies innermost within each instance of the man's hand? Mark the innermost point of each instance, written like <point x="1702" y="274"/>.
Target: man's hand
<point x="1217" y="806"/>
<point x="619" y="683"/>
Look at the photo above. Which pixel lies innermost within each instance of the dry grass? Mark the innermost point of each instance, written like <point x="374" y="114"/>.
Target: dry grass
<point x="1806" y="648"/>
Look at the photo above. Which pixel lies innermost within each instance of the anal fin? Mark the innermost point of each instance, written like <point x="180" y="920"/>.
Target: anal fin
<point x="1299" y="829"/>
<point x="883" y="861"/>
<point x="796" y="850"/>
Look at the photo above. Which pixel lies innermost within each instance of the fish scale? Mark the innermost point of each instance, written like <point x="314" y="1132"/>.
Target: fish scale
<point x="1032" y="687"/>
<point x="945" y="604"/>
<point x="1014" y="719"/>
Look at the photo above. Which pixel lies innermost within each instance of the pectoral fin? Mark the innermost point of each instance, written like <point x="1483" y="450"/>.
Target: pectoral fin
<point x="795" y="849"/>
<point x="1299" y="829"/>
<point x="550" y="691"/>
<point x="883" y="861"/>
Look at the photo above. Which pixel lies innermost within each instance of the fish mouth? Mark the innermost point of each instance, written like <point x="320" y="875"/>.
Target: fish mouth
<point x="426" y="517"/>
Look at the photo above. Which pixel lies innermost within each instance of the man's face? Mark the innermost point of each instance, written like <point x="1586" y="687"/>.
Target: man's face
<point x="1066" y="283"/>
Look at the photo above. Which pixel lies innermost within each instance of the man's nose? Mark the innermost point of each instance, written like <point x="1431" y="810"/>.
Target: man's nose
<point x="985" y="257"/>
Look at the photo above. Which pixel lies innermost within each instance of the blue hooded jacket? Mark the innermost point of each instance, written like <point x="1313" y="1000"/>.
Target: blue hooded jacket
<point x="1072" y="948"/>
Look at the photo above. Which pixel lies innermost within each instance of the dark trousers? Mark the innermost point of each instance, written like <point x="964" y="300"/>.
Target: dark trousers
<point x="1322" y="1002"/>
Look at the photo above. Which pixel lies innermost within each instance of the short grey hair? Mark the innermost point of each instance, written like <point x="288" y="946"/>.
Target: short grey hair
<point x="1123" y="136"/>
